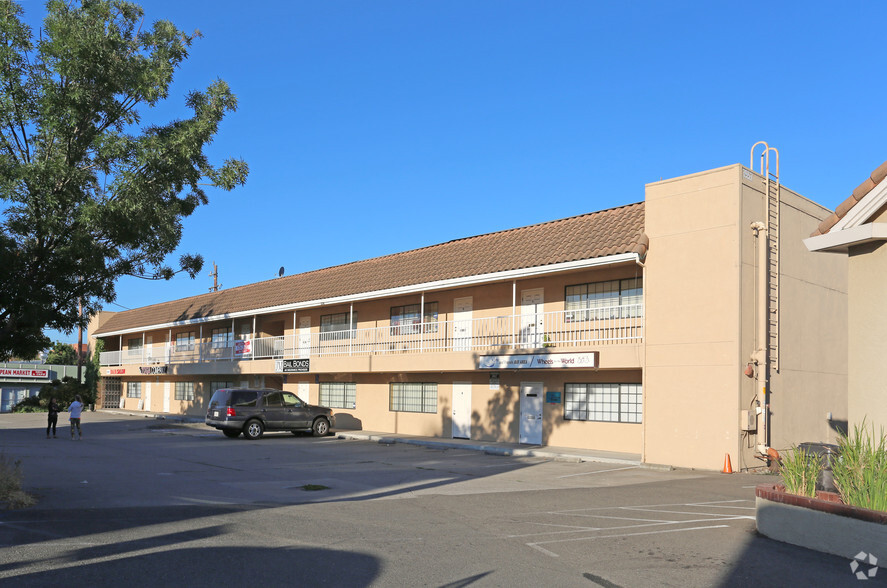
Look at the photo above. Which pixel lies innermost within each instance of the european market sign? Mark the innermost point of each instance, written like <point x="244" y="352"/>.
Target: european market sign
<point x="23" y="373"/>
<point x="539" y="361"/>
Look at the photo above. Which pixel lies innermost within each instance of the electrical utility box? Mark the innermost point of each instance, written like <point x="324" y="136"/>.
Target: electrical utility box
<point x="748" y="420"/>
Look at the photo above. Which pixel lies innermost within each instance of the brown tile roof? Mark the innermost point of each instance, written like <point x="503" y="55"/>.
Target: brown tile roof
<point x="597" y="234"/>
<point x="861" y="190"/>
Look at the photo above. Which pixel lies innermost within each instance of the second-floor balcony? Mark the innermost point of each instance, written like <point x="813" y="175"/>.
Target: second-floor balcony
<point x="560" y="329"/>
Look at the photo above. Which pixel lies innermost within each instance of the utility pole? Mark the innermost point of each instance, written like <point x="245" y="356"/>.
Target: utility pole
<point x="215" y="276"/>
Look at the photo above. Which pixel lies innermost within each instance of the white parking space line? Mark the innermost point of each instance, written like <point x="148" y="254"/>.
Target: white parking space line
<point x="537" y="544"/>
<point x="599" y="472"/>
<point x="557" y="527"/>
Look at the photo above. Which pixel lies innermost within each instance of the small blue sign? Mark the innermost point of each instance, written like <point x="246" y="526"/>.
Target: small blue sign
<point x="553" y="397"/>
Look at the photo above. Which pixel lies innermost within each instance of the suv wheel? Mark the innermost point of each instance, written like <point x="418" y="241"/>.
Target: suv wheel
<point x="253" y="430"/>
<point x="321" y="427"/>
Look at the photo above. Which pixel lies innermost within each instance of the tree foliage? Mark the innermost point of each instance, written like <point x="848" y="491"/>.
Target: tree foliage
<point x="90" y="193"/>
<point x="61" y="354"/>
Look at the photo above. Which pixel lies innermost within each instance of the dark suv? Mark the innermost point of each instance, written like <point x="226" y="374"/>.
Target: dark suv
<point x="254" y="411"/>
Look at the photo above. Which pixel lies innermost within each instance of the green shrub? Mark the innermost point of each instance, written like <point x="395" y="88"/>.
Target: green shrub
<point x="799" y="470"/>
<point x="64" y="391"/>
<point x="29" y="404"/>
<point x="861" y="471"/>
<point x="11" y="491"/>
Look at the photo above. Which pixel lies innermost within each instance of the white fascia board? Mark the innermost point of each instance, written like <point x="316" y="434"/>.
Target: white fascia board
<point x="412" y="289"/>
<point x="864" y="209"/>
<point x="841" y="241"/>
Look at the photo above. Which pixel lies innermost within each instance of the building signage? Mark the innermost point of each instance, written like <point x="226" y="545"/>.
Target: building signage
<point x="154" y="370"/>
<point x="116" y="371"/>
<point x="285" y="366"/>
<point x="23" y="373"/>
<point x="538" y="361"/>
<point x="243" y="347"/>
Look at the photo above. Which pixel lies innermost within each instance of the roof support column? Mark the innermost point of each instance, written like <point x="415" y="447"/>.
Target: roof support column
<point x="513" y="310"/>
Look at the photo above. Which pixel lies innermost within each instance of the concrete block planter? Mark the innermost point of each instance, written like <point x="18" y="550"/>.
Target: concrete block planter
<point x="823" y="524"/>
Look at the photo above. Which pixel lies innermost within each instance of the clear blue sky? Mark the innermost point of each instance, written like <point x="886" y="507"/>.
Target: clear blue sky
<point x="373" y="127"/>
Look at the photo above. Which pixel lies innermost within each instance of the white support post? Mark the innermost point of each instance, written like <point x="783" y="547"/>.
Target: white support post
<point x="513" y="311"/>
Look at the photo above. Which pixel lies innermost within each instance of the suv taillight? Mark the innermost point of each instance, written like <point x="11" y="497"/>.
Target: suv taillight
<point x="231" y="412"/>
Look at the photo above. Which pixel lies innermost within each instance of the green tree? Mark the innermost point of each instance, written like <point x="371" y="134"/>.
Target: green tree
<point x="93" y="368"/>
<point x="90" y="192"/>
<point x="62" y="354"/>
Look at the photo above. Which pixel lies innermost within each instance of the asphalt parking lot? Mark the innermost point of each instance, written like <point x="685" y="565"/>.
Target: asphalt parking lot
<point x="142" y="502"/>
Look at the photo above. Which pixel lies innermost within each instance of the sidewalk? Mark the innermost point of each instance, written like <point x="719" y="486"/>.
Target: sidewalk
<point x="490" y="447"/>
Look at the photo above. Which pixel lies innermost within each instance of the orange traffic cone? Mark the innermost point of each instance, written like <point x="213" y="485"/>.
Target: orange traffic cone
<point x="728" y="467"/>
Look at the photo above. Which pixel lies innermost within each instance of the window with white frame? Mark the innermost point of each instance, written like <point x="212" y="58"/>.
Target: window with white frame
<point x="612" y="403"/>
<point x="134" y="347"/>
<point x="338" y="394"/>
<point x="184" y="390"/>
<point x="600" y="300"/>
<point x="335" y="326"/>
<point x="222" y="338"/>
<point x="406" y="319"/>
<point x="185" y="341"/>
<point x="413" y="397"/>
<point x="133" y="389"/>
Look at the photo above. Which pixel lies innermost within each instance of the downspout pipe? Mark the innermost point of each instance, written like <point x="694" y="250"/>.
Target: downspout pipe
<point x="760" y="356"/>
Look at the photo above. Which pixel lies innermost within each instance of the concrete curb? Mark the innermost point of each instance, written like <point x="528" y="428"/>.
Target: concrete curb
<point x="486" y="448"/>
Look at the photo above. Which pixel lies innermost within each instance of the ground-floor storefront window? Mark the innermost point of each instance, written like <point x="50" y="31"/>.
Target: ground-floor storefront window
<point x="615" y="403"/>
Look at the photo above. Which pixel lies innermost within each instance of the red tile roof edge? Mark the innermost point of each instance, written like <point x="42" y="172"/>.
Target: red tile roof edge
<point x="858" y="194"/>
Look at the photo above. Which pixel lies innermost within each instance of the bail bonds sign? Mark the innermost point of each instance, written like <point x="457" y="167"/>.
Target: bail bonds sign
<point x="539" y="361"/>
<point x="291" y="366"/>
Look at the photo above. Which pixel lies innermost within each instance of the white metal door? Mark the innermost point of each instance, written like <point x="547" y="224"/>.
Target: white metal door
<point x="147" y="395"/>
<point x="304" y="338"/>
<point x="531" y="413"/>
<point x="462" y="308"/>
<point x="531" y="311"/>
<point x="304" y="392"/>
<point x="461" y="410"/>
<point x="166" y="390"/>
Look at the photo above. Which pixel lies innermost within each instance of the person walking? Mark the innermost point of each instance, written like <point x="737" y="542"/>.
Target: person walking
<point x="53" y="407"/>
<point x="75" y="409"/>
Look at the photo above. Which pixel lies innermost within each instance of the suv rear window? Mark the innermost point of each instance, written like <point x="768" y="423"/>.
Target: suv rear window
<point x="243" y="398"/>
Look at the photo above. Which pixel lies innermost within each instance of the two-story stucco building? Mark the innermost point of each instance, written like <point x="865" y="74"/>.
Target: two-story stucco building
<point x="635" y="329"/>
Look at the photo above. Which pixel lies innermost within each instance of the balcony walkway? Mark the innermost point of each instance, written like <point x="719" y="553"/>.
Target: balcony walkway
<point x="561" y="329"/>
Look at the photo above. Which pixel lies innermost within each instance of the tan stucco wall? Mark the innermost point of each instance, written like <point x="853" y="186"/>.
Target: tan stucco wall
<point x="701" y="304"/>
<point x="868" y="346"/>
<point x="812" y="377"/>
<point x="692" y="306"/>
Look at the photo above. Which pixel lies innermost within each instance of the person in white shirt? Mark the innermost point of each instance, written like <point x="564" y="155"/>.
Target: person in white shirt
<point x="76" y="409"/>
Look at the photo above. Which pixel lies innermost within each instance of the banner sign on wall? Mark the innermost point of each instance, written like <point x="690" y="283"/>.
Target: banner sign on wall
<point x="23" y="373"/>
<point x="154" y="370"/>
<point x="538" y="361"/>
<point x="243" y="347"/>
<point x="291" y="366"/>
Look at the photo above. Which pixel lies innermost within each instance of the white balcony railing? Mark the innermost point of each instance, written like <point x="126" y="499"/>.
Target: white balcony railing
<point x="598" y="326"/>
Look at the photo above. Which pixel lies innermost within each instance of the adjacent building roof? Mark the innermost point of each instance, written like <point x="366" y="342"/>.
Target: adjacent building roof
<point x="599" y="234"/>
<point x="858" y="194"/>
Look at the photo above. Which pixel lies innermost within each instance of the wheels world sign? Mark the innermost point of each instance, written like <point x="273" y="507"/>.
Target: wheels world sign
<point x="23" y="373"/>
<point x="538" y="361"/>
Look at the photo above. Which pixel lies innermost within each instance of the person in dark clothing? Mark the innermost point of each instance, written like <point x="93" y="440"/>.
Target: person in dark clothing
<point x="53" y="416"/>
